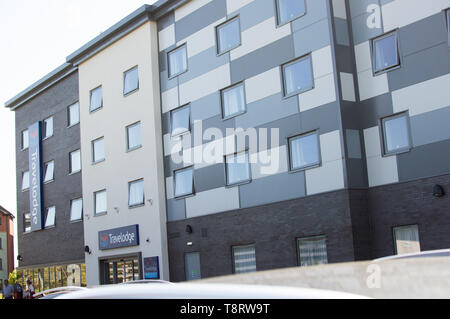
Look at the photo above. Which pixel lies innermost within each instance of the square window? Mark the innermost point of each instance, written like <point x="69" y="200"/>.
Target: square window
<point x="48" y="127"/>
<point x="396" y="134"/>
<point x="100" y="202"/>
<point x="49" y="173"/>
<point x="244" y="259"/>
<point x="134" y="136"/>
<point x="73" y="114"/>
<point x="98" y="150"/>
<point x="76" y="210"/>
<point x="136" y="193"/>
<point x="50" y="217"/>
<point x="228" y="36"/>
<point x="96" y="99"/>
<point x="298" y="76"/>
<point x="238" y="168"/>
<point x="184" y="182"/>
<point x="304" y="151"/>
<point x="288" y="10"/>
<point x="177" y="60"/>
<point x="27" y="222"/>
<point x="75" y="161"/>
<point x="25" y="180"/>
<point x="130" y="81"/>
<point x="312" y="251"/>
<point x="233" y="101"/>
<point x="180" y="120"/>
<point x="406" y="239"/>
<point x="385" y="53"/>
<point x="25" y="139"/>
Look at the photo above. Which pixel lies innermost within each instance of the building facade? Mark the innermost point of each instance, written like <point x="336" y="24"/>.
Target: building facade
<point x="6" y="243"/>
<point x="50" y="246"/>
<point x="229" y="136"/>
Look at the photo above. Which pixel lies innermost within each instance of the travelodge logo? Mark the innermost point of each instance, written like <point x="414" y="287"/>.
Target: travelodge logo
<point x="34" y="160"/>
<point x="119" y="237"/>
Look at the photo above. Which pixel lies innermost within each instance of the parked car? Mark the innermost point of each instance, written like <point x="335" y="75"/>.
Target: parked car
<point x="203" y="291"/>
<point x="422" y="254"/>
<point x="56" y="292"/>
<point x="147" y="281"/>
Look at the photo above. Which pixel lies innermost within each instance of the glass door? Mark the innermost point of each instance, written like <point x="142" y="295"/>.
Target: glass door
<point x="116" y="271"/>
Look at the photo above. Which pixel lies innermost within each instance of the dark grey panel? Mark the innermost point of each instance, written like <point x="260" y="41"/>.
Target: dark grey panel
<point x="356" y="173"/>
<point x="424" y="161"/>
<point x="210" y="177"/>
<point x="430" y="127"/>
<point x="262" y="60"/>
<point x="176" y="209"/>
<point x="200" y="19"/>
<point x="345" y="59"/>
<point x="254" y="13"/>
<point x="342" y="35"/>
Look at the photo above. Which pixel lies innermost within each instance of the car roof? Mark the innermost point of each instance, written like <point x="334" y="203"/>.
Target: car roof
<point x="423" y="254"/>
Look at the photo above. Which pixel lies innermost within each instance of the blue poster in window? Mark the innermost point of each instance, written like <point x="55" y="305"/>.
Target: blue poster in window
<point x="151" y="268"/>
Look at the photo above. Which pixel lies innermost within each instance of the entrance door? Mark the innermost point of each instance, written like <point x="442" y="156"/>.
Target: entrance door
<point x="120" y="270"/>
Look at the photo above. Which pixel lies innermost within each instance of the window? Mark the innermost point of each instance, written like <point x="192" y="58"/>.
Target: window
<point x="25" y="140"/>
<point x="288" y="10"/>
<point x="134" y="137"/>
<point x="228" y="36"/>
<point x="298" y="76"/>
<point x="385" y="53"/>
<point x="27" y="222"/>
<point x="73" y="114"/>
<point x="406" y="239"/>
<point x="180" y="120"/>
<point x="98" y="150"/>
<point x="238" y="168"/>
<point x="49" y="173"/>
<point x="75" y="161"/>
<point x="100" y="202"/>
<point x="50" y="217"/>
<point x="76" y="210"/>
<point x="130" y="81"/>
<point x="304" y="151"/>
<point x="192" y="266"/>
<point x="48" y="128"/>
<point x="177" y="60"/>
<point x="233" y="101"/>
<point x="184" y="182"/>
<point x="396" y="134"/>
<point x="25" y="180"/>
<point x="96" y="99"/>
<point x="312" y="251"/>
<point x="136" y="193"/>
<point x="244" y="259"/>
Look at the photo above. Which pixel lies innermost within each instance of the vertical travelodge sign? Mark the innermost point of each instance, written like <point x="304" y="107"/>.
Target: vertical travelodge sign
<point x="34" y="149"/>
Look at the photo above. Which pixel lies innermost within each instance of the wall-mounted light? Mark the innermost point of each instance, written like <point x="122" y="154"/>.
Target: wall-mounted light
<point x="438" y="191"/>
<point x="87" y="250"/>
<point x="19" y="258"/>
<point x="116" y="209"/>
<point x="189" y="229"/>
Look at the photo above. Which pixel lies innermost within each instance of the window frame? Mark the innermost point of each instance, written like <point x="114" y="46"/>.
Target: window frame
<point x="136" y="67"/>
<point x="242" y="182"/>
<point x="222" y="101"/>
<point x="234" y="260"/>
<point x="175" y="182"/>
<point x="127" y="133"/>
<point x="45" y="172"/>
<point x="394" y="228"/>
<point x="95" y="203"/>
<point x="189" y="121"/>
<point x="297" y="241"/>
<point x="91" y="110"/>
<point x="372" y="41"/>
<point x="44" y="128"/>
<point x="141" y="180"/>
<point x="69" y="117"/>
<point x="283" y="76"/>
<point x="93" y="151"/>
<point x="172" y="76"/>
<point x="71" y="172"/>
<point x="81" y="218"/>
<point x="277" y="14"/>
<point x="289" y="149"/>
<point x="23" y="148"/>
<point x="386" y="152"/>
<point x="217" y="34"/>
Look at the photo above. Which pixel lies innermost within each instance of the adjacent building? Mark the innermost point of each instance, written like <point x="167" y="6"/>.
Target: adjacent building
<point x="230" y="136"/>
<point x="6" y="243"/>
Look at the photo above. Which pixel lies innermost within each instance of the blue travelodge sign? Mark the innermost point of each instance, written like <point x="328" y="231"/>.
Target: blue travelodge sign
<point x="119" y="237"/>
<point x="34" y="157"/>
<point x="151" y="268"/>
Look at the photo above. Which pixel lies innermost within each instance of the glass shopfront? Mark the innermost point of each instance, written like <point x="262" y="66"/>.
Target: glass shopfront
<point x="121" y="269"/>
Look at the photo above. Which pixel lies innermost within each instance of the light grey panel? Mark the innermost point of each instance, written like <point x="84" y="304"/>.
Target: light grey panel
<point x="353" y="144"/>
<point x="206" y="107"/>
<point x="267" y="110"/>
<point x="254" y="13"/>
<point x="210" y="177"/>
<point x="272" y="189"/>
<point x="316" y="10"/>
<point x="200" y="19"/>
<point x="262" y="60"/>
<point x="176" y="209"/>
<point x="342" y="35"/>
<point x="305" y="43"/>
<point x="431" y="127"/>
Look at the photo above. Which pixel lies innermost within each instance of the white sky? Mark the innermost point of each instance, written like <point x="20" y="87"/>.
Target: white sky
<point x="35" y="38"/>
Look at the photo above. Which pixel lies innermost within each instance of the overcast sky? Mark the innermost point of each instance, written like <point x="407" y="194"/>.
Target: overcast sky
<point x="35" y="38"/>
